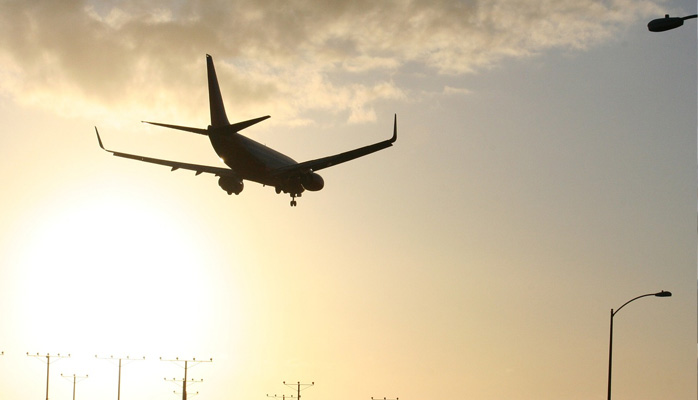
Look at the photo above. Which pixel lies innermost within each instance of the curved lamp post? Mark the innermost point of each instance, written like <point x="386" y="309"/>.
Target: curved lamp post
<point x="667" y="23"/>
<point x="610" y="346"/>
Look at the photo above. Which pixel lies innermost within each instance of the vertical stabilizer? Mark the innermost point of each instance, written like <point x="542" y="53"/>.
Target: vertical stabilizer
<point x="215" y="100"/>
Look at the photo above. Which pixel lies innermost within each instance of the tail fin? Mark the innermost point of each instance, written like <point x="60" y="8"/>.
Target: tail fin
<point x="218" y="117"/>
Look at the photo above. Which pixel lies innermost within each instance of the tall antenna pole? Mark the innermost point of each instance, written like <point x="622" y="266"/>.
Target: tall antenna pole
<point x="75" y="380"/>
<point x="112" y="358"/>
<point x="195" y="362"/>
<point x="48" y="357"/>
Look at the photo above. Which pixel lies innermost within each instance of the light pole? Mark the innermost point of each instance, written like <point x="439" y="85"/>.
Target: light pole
<point x="48" y="363"/>
<point x="195" y="362"/>
<point x="610" y="345"/>
<point x="76" y="379"/>
<point x="667" y="23"/>
<point x="118" y="385"/>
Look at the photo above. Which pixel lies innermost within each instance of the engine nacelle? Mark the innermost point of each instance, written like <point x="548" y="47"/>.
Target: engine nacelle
<point x="312" y="182"/>
<point x="230" y="185"/>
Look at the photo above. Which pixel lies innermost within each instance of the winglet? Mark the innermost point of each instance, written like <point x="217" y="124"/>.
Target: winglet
<point x="100" y="140"/>
<point x="394" y="138"/>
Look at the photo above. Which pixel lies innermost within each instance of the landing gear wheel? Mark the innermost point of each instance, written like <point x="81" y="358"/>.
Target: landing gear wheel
<point x="293" y="199"/>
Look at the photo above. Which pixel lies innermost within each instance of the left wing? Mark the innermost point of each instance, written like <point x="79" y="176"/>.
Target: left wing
<point x="174" y="164"/>
<point x="326" y="162"/>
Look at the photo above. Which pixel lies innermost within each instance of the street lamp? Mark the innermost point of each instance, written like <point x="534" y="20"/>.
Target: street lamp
<point x="667" y="23"/>
<point x="610" y="346"/>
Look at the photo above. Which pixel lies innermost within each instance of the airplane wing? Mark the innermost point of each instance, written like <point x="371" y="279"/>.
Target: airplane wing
<point x="326" y="162"/>
<point x="173" y="164"/>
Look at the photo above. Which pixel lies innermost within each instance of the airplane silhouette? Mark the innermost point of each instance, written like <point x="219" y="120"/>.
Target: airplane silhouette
<point x="250" y="160"/>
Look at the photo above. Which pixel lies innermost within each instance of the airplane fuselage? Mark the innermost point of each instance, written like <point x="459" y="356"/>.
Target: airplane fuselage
<point x="249" y="158"/>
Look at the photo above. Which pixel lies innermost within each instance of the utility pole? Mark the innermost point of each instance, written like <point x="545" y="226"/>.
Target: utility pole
<point x="194" y="362"/>
<point x="76" y="379"/>
<point x="112" y="358"/>
<point x="56" y="357"/>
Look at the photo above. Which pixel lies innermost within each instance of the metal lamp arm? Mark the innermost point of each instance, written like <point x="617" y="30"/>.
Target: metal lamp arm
<point x="631" y="300"/>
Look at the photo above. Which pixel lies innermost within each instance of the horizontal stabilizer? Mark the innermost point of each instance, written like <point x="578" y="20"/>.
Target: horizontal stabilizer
<point x="237" y="127"/>
<point x="181" y="128"/>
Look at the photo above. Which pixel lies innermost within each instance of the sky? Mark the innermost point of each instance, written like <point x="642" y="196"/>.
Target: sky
<point x="544" y="174"/>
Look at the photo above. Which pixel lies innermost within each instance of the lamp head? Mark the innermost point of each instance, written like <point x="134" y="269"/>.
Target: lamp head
<point x="664" y="24"/>
<point x="663" y="294"/>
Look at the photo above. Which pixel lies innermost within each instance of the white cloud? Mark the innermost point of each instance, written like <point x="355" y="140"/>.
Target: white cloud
<point x="277" y="56"/>
<point x="448" y="90"/>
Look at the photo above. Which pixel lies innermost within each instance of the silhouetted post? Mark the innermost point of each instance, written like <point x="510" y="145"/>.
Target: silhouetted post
<point x="185" y="392"/>
<point x="56" y="357"/>
<point x="610" y="343"/>
<point x="186" y="367"/>
<point x="75" y="380"/>
<point x="128" y="359"/>
<point x="184" y="383"/>
<point x="301" y="386"/>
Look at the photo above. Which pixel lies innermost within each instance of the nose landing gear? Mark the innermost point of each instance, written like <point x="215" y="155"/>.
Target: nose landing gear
<point x="293" y="199"/>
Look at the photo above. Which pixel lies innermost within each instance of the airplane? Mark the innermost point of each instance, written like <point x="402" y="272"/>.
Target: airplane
<point x="249" y="160"/>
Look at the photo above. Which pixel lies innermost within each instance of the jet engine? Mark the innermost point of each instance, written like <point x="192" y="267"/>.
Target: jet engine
<point x="312" y="181"/>
<point x="230" y="185"/>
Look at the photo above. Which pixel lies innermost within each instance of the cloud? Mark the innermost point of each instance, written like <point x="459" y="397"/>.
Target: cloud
<point x="274" y="56"/>
<point x="453" y="91"/>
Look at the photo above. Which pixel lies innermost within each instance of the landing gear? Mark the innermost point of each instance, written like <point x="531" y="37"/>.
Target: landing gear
<point x="294" y="190"/>
<point x="293" y="199"/>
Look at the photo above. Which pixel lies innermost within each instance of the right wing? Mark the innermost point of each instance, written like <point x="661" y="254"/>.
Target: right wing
<point x="329" y="161"/>
<point x="173" y="164"/>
